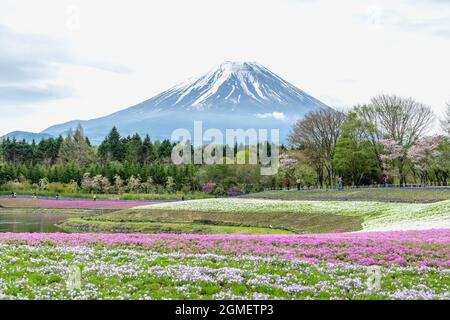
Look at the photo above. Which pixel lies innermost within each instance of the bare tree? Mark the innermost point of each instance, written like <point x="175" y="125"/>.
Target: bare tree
<point x="446" y="121"/>
<point x="317" y="133"/>
<point x="402" y="120"/>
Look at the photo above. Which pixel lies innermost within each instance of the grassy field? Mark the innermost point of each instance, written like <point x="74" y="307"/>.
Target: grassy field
<point x="293" y="216"/>
<point x="364" y="194"/>
<point x="98" y="226"/>
<point x="61" y="212"/>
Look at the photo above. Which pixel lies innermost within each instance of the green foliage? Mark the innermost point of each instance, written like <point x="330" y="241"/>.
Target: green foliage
<point x="112" y="148"/>
<point x="74" y="149"/>
<point x="353" y="156"/>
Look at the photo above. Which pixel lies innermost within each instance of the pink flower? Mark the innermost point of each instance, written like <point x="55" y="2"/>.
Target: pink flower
<point x="406" y="248"/>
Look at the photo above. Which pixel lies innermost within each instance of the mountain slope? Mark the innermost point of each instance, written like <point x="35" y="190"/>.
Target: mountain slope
<point x="234" y="95"/>
<point x="27" y="136"/>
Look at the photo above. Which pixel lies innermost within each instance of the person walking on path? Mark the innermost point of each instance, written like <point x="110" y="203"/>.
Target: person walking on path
<point x="385" y="180"/>
<point x="298" y="184"/>
<point x="340" y="184"/>
<point x="288" y="184"/>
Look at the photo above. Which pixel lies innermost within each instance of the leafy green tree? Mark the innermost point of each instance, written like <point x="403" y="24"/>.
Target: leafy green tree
<point x="353" y="155"/>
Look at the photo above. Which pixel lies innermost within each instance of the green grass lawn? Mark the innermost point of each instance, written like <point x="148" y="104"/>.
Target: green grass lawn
<point x="160" y="221"/>
<point x="363" y="194"/>
<point x="96" y="226"/>
<point x="60" y="212"/>
<point x="293" y="216"/>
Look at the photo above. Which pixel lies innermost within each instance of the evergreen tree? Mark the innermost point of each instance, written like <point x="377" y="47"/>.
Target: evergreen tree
<point x="112" y="148"/>
<point x="148" y="152"/>
<point x="134" y="150"/>
<point x="165" y="149"/>
<point x="74" y="149"/>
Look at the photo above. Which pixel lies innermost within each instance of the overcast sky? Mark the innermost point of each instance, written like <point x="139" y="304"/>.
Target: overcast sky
<point x="79" y="59"/>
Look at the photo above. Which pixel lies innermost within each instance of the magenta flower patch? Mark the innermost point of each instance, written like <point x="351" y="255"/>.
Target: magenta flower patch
<point x="88" y="204"/>
<point x="407" y="248"/>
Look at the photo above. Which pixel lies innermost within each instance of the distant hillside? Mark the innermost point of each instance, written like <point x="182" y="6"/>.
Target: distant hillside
<point x="27" y="136"/>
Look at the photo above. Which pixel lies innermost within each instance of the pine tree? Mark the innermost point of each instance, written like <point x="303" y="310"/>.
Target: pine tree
<point x="112" y="148"/>
<point x="74" y="149"/>
<point x="134" y="150"/>
<point x="148" y="152"/>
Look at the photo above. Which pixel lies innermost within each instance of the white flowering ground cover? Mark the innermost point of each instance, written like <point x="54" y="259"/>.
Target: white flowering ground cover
<point x="41" y="272"/>
<point x="377" y="216"/>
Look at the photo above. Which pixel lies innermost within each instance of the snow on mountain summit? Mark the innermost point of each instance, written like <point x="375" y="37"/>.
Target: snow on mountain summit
<point x="233" y="83"/>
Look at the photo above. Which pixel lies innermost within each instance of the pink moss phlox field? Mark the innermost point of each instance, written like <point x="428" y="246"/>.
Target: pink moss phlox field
<point x="88" y="204"/>
<point x="404" y="248"/>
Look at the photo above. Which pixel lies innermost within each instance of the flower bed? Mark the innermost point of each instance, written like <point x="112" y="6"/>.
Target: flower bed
<point x="88" y="204"/>
<point x="71" y="204"/>
<point x="409" y="265"/>
<point x="413" y="248"/>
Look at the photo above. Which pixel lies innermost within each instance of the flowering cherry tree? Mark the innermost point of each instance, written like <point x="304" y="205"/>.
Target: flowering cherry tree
<point x="422" y="153"/>
<point x="446" y="121"/>
<point x="287" y="162"/>
<point x="391" y="152"/>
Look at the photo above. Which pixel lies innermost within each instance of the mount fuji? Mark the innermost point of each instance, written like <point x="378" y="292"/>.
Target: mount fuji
<point x="233" y="95"/>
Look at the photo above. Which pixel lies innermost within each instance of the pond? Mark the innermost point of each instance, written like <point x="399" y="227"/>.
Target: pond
<point x="30" y="222"/>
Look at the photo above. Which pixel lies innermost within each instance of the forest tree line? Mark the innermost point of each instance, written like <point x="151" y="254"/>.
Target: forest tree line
<point x="385" y="138"/>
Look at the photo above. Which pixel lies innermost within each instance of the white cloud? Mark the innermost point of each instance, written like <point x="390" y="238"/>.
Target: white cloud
<point x="127" y="52"/>
<point x="275" y="115"/>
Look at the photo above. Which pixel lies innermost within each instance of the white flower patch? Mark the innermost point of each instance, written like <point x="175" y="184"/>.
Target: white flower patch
<point x="378" y="216"/>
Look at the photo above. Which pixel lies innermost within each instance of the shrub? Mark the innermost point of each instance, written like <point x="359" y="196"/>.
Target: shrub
<point x="234" y="191"/>
<point x="219" y="191"/>
<point x="43" y="184"/>
<point x="71" y="187"/>
<point x="55" y="187"/>
<point x="209" y="187"/>
<point x="14" y="185"/>
<point x="134" y="184"/>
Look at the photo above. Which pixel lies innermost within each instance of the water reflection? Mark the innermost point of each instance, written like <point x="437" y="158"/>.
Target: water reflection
<point x="30" y="222"/>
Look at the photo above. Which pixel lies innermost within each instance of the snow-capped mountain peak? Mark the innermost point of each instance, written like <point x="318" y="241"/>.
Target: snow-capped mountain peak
<point x="233" y="83"/>
<point x="232" y="95"/>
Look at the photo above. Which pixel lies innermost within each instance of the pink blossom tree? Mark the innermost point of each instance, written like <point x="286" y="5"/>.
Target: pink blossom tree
<point x="390" y="154"/>
<point x="421" y="155"/>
